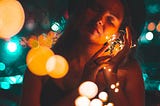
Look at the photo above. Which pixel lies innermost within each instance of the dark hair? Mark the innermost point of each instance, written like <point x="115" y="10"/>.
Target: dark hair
<point x="137" y="16"/>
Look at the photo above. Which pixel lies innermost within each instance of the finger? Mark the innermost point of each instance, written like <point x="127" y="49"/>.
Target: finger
<point x="127" y="44"/>
<point x="101" y="51"/>
<point x="103" y="59"/>
<point x="128" y="36"/>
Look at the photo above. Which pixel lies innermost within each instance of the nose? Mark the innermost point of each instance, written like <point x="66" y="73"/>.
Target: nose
<point x="100" y="22"/>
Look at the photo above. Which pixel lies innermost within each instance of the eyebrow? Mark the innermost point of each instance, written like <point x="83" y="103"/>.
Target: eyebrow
<point x="115" y="15"/>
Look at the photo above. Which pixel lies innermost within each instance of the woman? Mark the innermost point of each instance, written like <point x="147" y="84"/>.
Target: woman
<point x="84" y="44"/>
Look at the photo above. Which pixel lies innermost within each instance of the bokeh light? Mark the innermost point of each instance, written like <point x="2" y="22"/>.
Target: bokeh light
<point x="158" y="27"/>
<point x="55" y="26"/>
<point x="11" y="19"/>
<point x="151" y="26"/>
<point x="57" y="66"/>
<point x="11" y="46"/>
<point x="96" y="102"/>
<point x="2" y="66"/>
<point x="103" y="96"/>
<point x="110" y="104"/>
<point x="88" y="89"/>
<point x="149" y="35"/>
<point x="82" y="101"/>
<point x="37" y="59"/>
<point x="5" y="85"/>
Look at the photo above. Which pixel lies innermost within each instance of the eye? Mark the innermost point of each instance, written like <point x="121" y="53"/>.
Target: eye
<point x="110" y="20"/>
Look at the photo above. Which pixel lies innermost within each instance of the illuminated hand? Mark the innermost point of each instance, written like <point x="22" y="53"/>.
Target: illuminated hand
<point x="94" y="65"/>
<point x="111" y="68"/>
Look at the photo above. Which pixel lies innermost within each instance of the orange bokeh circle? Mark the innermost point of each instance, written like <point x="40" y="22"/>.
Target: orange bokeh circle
<point x="37" y="59"/>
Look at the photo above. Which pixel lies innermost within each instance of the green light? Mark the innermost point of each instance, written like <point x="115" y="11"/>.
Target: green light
<point x="5" y="85"/>
<point x="2" y="66"/>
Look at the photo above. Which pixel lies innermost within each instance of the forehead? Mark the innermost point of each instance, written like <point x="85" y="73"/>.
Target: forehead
<point x="113" y="6"/>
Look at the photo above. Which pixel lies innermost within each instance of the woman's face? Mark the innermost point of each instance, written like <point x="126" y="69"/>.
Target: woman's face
<point x="100" y="20"/>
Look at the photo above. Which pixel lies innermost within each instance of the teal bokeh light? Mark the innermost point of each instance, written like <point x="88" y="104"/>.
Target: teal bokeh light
<point x="11" y="50"/>
<point x="5" y="85"/>
<point x="12" y="46"/>
<point x="2" y="66"/>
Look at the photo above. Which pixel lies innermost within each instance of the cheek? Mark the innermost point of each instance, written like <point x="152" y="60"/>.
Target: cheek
<point x="109" y="32"/>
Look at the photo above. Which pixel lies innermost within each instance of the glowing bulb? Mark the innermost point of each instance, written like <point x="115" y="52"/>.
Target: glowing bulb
<point x="96" y="102"/>
<point x="103" y="96"/>
<point x="88" y="89"/>
<point x="82" y="101"/>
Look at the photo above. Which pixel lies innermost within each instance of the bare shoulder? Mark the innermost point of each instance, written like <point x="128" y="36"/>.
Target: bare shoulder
<point x="132" y="67"/>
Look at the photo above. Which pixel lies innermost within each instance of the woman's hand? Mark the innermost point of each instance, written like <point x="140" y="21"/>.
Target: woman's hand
<point x="93" y="66"/>
<point x="102" y="68"/>
<point x="111" y="67"/>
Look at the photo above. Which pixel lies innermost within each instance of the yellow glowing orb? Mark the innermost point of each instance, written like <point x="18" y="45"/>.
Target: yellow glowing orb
<point x="11" y="18"/>
<point x="37" y="59"/>
<point x="57" y="66"/>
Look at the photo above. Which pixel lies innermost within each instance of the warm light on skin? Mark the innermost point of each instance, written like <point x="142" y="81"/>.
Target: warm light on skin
<point x="96" y="102"/>
<point x="57" y="66"/>
<point x="37" y="58"/>
<point x="103" y="96"/>
<point x="82" y="101"/>
<point x="11" y="18"/>
<point x="88" y="89"/>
